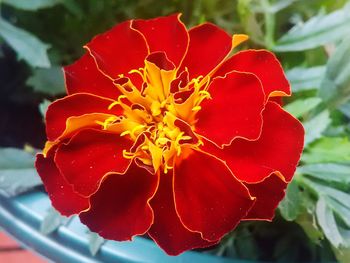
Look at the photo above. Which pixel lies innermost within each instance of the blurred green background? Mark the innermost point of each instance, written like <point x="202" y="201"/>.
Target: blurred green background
<point x="310" y="37"/>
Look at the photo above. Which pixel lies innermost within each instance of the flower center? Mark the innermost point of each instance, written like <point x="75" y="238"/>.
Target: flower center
<point x="160" y="116"/>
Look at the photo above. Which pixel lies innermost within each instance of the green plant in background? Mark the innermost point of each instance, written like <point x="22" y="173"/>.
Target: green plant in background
<point x="310" y="38"/>
<point x="26" y="45"/>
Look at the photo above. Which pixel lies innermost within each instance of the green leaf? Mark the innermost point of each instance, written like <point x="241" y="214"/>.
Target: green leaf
<point x="27" y="46"/>
<point x="342" y="255"/>
<point x="335" y="86"/>
<point x="342" y="211"/>
<point x="246" y="245"/>
<point x="73" y="7"/>
<point x="307" y="217"/>
<point x="328" y="150"/>
<point x="326" y="220"/>
<point x="330" y="172"/>
<point x="272" y="7"/>
<point x="323" y="190"/>
<point x="308" y="222"/>
<point x="249" y="21"/>
<point x="345" y="109"/>
<point x="345" y="233"/>
<point x="43" y="107"/>
<point x="31" y="5"/>
<point x="17" y="172"/>
<point x="52" y="221"/>
<point x="280" y="5"/>
<point x="317" y="31"/>
<point x="316" y="126"/>
<point x="290" y="206"/>
<point x="299" y="107"/>
<point x="95" y="243"/>
<point x="227" y="247"/>
<point x="49" y="81"/>
<point x="332" y="203"/>
<point x="302" y="78"/>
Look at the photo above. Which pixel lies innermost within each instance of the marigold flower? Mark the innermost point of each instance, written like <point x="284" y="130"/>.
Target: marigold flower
<point x="162" y="132"/>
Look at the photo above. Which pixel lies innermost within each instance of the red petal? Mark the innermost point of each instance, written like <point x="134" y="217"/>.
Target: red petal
<point x="264" y="65"/>
<point x="208" y="46"/>
<point x="278" y="148"/>
<point x="74" y="105"/>
<point x="88" y="156"/>
<point x="119" y="50"/>
<point x="83" y="77"/>
<point x="278" y="100"/>
<point x="234" y="110"/>
<point x="208" y="198"/>
<point x="120" y="208"/>
<point x="161" y="60"/>
<point x="167" y="230"/>
<point x="268" y="194"/>
<point x="166" y="34"/>
<point x="62" y="196"/>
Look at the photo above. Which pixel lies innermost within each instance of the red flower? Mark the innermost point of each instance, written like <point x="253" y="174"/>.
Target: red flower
<point x="162" y="132"/>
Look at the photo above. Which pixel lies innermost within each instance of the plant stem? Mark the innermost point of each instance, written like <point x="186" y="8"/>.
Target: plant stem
<point x="270" y="24"/>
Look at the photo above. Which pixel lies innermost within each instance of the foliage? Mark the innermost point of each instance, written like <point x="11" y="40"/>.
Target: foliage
<point x="315" y="32"/>
<point x="17" y="173"/>
<point x="305" y="78"/>
<point x="31" y="5"/>
<point x="310" y="38"/>
<point x="52" y="221"/>
<point x="49" y="81"/>
<point x="335" y="86"/>
<point x="27" y="46"/>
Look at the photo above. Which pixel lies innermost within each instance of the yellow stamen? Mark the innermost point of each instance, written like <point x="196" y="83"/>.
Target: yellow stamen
<point x="138" y="71"/>
<point x="162" y="141"/>
<point x="153" y="111"/>
<point x="205" y="94"/>
<point x="186" y="137"/>
<point x="145" y="147"/>
<point x="139" y="127"/>
<point x="196" y="108"/>
<point x="155" y="108"/>
<point x="167" y="167"/>
<point x="113" y="104"/>
<point x="117" y="102"/>
<point x="178" y="138"/>
<point x="107" y="122"/>
<point x="125" y="133"/>
<point x="146" y="161"/>
<point x="128" y="155"/>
